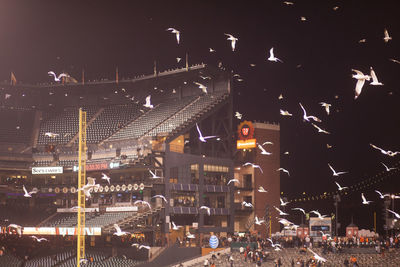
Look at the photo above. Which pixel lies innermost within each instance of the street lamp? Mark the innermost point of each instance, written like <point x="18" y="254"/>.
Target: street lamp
<point x="336" y="198"/>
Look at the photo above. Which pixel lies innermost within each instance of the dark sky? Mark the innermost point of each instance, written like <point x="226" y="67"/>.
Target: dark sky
<point x="38" y="36"/>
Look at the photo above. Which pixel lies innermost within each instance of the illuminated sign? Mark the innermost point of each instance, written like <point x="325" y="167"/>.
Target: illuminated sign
<point x="47" y="170"/>
<point x="245" y="130"/>
<point x="60" y="231"/>
<point x="93" y="167"/>
<point x="243" y="144"/>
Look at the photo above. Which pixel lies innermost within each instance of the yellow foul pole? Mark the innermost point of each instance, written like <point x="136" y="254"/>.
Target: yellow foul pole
<point x="81" y="182"/>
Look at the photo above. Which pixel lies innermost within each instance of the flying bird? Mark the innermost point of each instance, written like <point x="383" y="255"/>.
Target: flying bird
<point x="39" y="239"/>
<point x="253" y="165"/>
<point x="364" y="200"/>
<point x="362" y="41"/>
<point x="283" y="203"/>
<point x="17" y="227"/>
<point x="284" y="170"/>
<point x="247" y="204"/>
<point x="191" y="236"/>
<point x="288" y="3"/>
<point x="142" y="202"/>
<point x="360" y="81"/>
<point x="148" y="103"/>
<point x="202" y="87"/>
<point x="257" y="221"/>
<point x="280" y="97"/>
<point x="381" y="195"/>
<point x="388" y="152"/>
<point x="105" y="177"/>
<point x="174" y="227"/>
<point x="51" y="135"/>
<point x="262" y="190"/>
<point x="300" y="209"/>
<point x="233" y="181"/>
<point x="387" y="168"/>
<point x="395" y="214"/>
<point x="238" y="115"/>
<point x="160" y="196"/>
<point x="145" y="247"/>
<point x="276" y="246"/>
<point x="319" y="129"/>
<point x="177" y="33"/>
<point x="232" y="39"/>
<point x="281" y="213"/>
<point x="386" y="37"/>
<point x="206" y="208"/>
<point x="303" y="18"/>
<point x="341" y="188"/>
<point x="317" y="257"/>
<point x="326" y="106"/>
<point x="201" y="137"/>
<point x="285" y="113"/>
<point x="334" y="172"/>
<point x="153" y="175"/>
<point x="89" y="186"/>
<point x="263" y="151"/>
<point x="26" y="194"/>
<point x="57" y="78"/>
<point x="307" y="118"/>
<point x="394" y="60"/>
<point x="211" y="50"/>
<point x="374" y="78"/>
<point x="272" y="56"/>
<point x="318" y="214"/>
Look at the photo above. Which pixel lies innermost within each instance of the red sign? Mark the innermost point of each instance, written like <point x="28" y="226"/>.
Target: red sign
<point x="96" y="166"/>
<point x="245" y="130"/>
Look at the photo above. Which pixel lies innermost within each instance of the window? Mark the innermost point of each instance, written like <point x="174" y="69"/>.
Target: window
<point x="247" y="180"/>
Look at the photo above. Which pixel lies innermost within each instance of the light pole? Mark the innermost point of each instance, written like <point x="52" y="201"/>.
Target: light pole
<point x="336" y="198"/>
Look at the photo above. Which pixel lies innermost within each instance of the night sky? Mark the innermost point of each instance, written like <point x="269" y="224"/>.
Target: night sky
<point x="318" y="55"/>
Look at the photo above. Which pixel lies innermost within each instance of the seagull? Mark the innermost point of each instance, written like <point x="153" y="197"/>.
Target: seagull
<point x="89" y="186"/>
<point x="288" y="3"/>
<point x="7" y="96"/>
<point x="83" y="261"/>
<point x="300" y="209"/>
<point x="257" y="221"/>
<point x="39" y="239"/>
<point x="319" y="129"/>
<point x="323" y="234"/>
<point x="160" y="196"/>
<point x="267" y="143"/>
<point x="280" y="97"/>
<point x="307" y="118"/>
<point x="135" y="245"/>
<point x="143" y="246"/>
<point x="388" y="152"/>
<point x="276" y="246"/>
<point x="316" y="256"/>
<point x="26" y="194"/>
<point x="178" y="59"/>
<point x="381" y="195"/>
<point x="334" y="172"/>
<point x="395" y="214"/>
<point x="246" y="204"/>
<point x="387" y="168"/>
<point x="284" y="170"/>
<point x="211" y="50"/>
<point x="51" y="135"/>
<point x="205" y="77"/>
<point x="253" y="165"/>
<point x="285" y="113"/>
<point x="206" y="208"/>
<point x="326" y="106"/>
<point x="262" y="190"/>
<point x="263" y="151"/>
<point x="233" y="181"/>
<point x="142" y="202"/>
<point x="374" y="78"/>
<point x="189" y="235"/>
<point x="201" y="138"/>
<point x="232" y="39"/>
<point x="281" y="213"/>
<point x="153" y="174"/>
<point x="16" y="227"/>
<point x="272" y="57"/>
<point x="148" y="104"/>
<point x="174" y="227"/>
<point x="364" y="200"/>
<point x="387" y="37"/>
<point x="328" y="146"/>
<point x="360" y="81"/>
<point x="105" y="177"/>
<point x="238" y="115"/>
<point x="341" y="188"/>
<point x="394" y="60"/>
<point x="284" y="222"/>
<point x="177" y="33"/>
<point x="318" y="214"/>
<point x="202" y="87"/>
<point x="303" y="18"/>
<point x="283" y="203"/>
<point x="57" y="79"/>
<point x="362" y="41"/>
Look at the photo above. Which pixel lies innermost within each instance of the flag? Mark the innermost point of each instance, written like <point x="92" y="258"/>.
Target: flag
<point x="13" y="79"/>
<point x="116" y="75"/>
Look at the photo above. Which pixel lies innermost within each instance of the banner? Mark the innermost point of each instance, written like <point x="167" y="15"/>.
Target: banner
<point x="47" y="170"/>
<point x="91" y="231"/>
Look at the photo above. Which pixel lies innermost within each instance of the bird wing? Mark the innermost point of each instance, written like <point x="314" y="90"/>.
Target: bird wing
<point x="386" y="33"/>
<point x="170" y="29"/>
<point x="373" y="75"/>
<point x="304" y="111"/>
<point x="117" y="228"/>
<point x="358" y="72"/>
<point x="52" y="73"/>
<point x="396" y="214"/>
<point x="331" y="168"/>
<point x="359" y="86"/>
<point x="229" y="35"/>
<point x="271" y="52"/>
<point x="26" y="192"/>
<point x="148" y="100"/>
<point x="363" y="198"/>
<point x="338" y="185"/>
<point x="198" y="130"/>
<point x="379" y="193"/>
<point x="211" y="136"/>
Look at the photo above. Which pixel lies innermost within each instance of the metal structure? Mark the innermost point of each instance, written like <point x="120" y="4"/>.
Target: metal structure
<point x="81" y="182"/>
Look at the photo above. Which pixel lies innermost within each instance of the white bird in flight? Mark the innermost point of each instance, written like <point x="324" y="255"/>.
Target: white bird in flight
<point x="262" y="190"/>
<point x="364" y="200"/>
<point x="206" y="208"/>
<point x="394" y="60"/>
<point x="300" y="209"/>
<point x="341" y="188"/>
<point x="387" y="168"/>
<point x="258" y="221"/>
<point x="281" y="213"/>
<point x="386" y="152"/>
<point x="191" y="236"/>
<point x="307" y="118"/>
<point x="319" y="129"/>
<point x="284" y="170"/>
<point x="254" y="166"/>
<point x="272" y="56"/>
<point x="381" y="195"/>
<point x="174" y="227"/>
<point x="276" y="246"/>
<point x="26" y="194"/>
<point x="202" y="87"/>
<point x="51" y="135"/>
<point x="148" y="102"/>
<point x="201" y="137"/>
<point x="283" y="203"/>
<point x="142" y="202"/>
<point x="105" y="177"/>
<point x="318" y="214"/>
<point x="285" y="113"/>
<point x="153" y="175"/>
<point x="374" y="78"/>
<point x="17" y="227"/>
<point x="334" y="172"/>
<point x="57" y="78"/>
<point x="145" y="247"/>
<point x="233" y="181"/>
<point x="360" y="81"/>
<point x="177" y="33"/>
<point x="395" y="214"/>
<point x="87" y="188"/>
<point x="39" y="239"/>
<point x="317" y="257"/>
<point x="247" y="204"/>
<point x="326" y="106"/>
<point x="386" y="37"/>
<point x="211" y="50"/>
<point x="263" y="151"/>
<point x="238" y="115"/>
<point x="160" y="196"/>
<point x="232" y="39"/>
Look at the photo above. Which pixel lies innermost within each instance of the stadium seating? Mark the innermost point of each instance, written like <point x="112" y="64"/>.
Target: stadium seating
<point x="9" y="260"/>
<point x="16" y="125"/>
